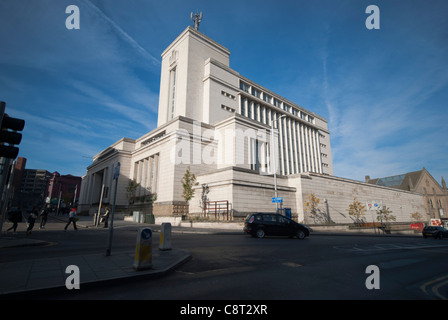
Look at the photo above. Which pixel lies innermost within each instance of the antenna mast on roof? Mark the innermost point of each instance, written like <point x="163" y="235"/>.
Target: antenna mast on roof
<point x="197" y="18"/>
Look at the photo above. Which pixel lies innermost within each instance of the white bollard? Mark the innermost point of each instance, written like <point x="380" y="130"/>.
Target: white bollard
<point x="143" y="250"/>
<point x="165" y="237"/>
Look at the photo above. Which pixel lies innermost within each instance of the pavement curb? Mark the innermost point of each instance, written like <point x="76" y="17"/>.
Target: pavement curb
<point x="137" y="275"/>
<point x="9" y="242"/>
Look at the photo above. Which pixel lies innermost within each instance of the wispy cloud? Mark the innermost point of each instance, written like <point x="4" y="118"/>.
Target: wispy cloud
<point x="134" y="113"/>
<point x="381" y="116"/>
<point x="123" y="35"/>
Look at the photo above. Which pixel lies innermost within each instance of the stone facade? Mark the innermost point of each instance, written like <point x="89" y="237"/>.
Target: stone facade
<point x="336" y="194"/>
<point x="220" y="125"/>
<point x="232" y="134"/>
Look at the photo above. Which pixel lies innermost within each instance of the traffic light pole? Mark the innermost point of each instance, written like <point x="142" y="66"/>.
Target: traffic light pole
<point x="9" y="138"/>
<point x="7" y="178"/>
<point x="9" y="135"/>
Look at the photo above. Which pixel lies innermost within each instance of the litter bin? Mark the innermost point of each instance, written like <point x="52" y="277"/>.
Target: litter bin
<point x="288" y="213"/>
<point x="149" y="218"/>
<point x="138" y="217"/>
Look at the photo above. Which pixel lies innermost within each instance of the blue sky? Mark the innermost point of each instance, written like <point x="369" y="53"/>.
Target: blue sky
<point x="384" y="92"/>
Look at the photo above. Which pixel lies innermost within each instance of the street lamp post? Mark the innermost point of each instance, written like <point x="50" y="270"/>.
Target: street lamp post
<point x="274" y="160"/>
<point x="111" y="226"/>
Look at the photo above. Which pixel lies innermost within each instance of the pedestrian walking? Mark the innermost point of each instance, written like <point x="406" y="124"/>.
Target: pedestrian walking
<point x="105" y="217"/>
<point x="15" y="217"/>
<point x="43" y="216"/>
<point x="31" y="220"/>
<point x="72" y="218"/>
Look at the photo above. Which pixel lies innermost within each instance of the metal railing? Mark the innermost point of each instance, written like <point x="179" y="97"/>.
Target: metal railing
<point x="217" y="208"/>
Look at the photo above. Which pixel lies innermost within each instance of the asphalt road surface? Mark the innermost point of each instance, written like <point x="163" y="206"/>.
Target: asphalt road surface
<point x="239" y="267"/>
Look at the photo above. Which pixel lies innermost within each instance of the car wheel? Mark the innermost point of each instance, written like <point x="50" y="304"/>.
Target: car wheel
<point x="300" y="234"/>
<point x="260" y="233"/>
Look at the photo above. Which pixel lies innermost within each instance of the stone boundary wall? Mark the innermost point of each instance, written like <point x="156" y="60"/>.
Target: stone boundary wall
<point x="338" y="193"/>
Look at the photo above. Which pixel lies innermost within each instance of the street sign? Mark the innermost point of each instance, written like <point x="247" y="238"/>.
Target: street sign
<point x="417" y="226"/>
<point x="146" y="234"/>
<point x="374" y="204"/>
<point x="117" y="171"/>
<point x="277" y="200"/>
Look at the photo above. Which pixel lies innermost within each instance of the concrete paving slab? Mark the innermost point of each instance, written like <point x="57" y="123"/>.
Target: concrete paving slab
<point x="30" y="276"/>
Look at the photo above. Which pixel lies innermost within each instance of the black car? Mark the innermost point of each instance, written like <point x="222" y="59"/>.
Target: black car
<point x="273" y="224"/>
<point x="436" y="232"/>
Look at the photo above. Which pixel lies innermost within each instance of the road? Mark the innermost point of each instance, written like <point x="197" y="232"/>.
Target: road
<point x="238" y="267"/>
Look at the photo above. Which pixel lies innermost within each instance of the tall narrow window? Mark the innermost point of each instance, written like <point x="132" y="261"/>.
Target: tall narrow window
<point x="244" y="86"/>
<point x="243" y="106"/>
<point x="254" y="154"/>
<point x="172" y="93"/>
<point x="249" y="109"/>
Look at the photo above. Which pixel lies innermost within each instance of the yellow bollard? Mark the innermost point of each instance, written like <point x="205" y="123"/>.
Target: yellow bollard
<point x="165" y="236"/>
<point x="143" y="250"/>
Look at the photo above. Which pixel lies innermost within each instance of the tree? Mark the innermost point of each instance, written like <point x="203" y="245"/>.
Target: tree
<point x="188" y="182"/>
<point x="312" y="206"/>
<point x="357" y="210"/>
<point x="417" y="216"/>
<point x="384" y="215"/>
<point x="130" y="190"/>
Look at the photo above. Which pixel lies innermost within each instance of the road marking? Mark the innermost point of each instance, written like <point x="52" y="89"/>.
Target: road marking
<point x="291" y="264"/>
<point x="436" y="292"/>
<point x="398" y="263"/>
<point x="385" y="247"/>
<point x="436" y="284"/>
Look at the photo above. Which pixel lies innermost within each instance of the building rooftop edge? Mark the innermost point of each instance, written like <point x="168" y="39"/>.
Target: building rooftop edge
<point x="276" y="95"/>
<point x="191" y="30"/>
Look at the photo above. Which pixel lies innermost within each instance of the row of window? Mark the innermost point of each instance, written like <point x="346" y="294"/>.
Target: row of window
<point x="227" y="108"/>
<point x="300" y="151"/>
<point x="275" y="102"/>
<point x="298" y="146"/>
<point x="439" y="203"/>
<point x="228" y="95"/>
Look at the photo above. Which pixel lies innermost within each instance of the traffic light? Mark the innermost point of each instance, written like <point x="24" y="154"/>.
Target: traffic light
<point x="9" y="134"/>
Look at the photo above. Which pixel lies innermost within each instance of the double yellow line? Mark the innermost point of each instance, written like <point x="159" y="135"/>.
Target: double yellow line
<point x="435" y="286"/>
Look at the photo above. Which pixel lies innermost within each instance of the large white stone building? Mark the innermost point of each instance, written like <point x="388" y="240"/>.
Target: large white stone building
<point x="231" y="133"/>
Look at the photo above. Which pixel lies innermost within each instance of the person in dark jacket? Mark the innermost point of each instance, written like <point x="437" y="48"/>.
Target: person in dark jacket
<point x="72" y="218"/>
<point x="43" y="217"/>
<point x="105" y="217"/>
<point x="15" y="217"/>
<point x="31" y="220"/>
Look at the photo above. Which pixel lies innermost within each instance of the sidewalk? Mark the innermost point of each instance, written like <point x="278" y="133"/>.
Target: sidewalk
<point x="24" y="277"/>
<point x="50" y="274"/>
